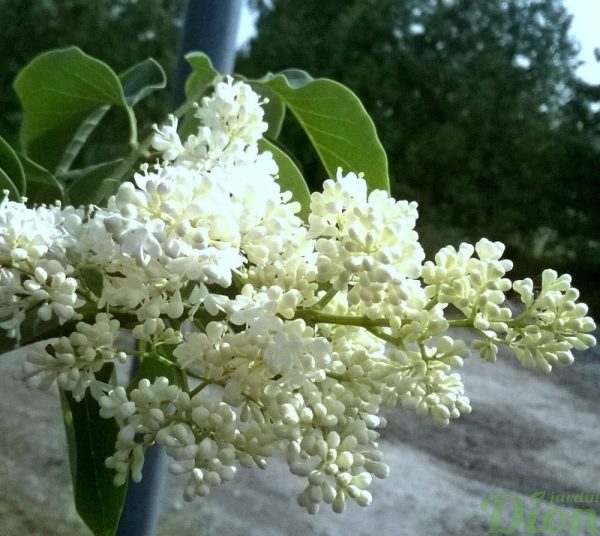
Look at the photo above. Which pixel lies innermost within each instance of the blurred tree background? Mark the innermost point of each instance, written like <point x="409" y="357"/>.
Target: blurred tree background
<point x="477" y="103"/>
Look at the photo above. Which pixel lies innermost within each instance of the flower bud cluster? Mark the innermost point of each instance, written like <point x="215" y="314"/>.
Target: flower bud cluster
<point x="140" y="415"/>
<point x="34" y="276"/>
<point x="551" y="322"/>
<point x="364" y="243"/>
<point x="197" y="433"/>
<point x="73" y="361"/>
<point x="428" y="386"/>
<point x="474" y="285"/>
<point x="337" y="466"/>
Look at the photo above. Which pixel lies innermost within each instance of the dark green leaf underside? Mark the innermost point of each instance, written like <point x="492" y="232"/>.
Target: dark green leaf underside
<point x="91" y="440"/>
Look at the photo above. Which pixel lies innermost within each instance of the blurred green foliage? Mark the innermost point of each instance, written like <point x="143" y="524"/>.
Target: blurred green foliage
<point x="478" y="106"/>
<point x="118" y="32"/>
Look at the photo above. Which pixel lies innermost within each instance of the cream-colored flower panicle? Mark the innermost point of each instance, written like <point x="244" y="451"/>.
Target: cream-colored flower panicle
<point x="275" y="334"/>
<point x="73" y="361"/>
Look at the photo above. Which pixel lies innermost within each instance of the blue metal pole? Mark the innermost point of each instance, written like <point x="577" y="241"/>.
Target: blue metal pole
<point x="210" y="26"/>
<point x="142" y="501"/>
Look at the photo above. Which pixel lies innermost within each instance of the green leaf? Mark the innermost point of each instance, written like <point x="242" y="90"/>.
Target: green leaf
<point x="290" y="178"/>
<point x="11" y="166"/>
<point x="91" y="278"/>
<point x="59" y="90"/>
<point x="336" y="123"/>
<point x="142" y="79"/>
<point x="274" y="109"/>
<point x="137" y="82"/>
<point x="42" y="186"/>
<point x="109" y="187"/>
<point x="151" y="367"/>
<point x="88" y="183"/>
<point x="203" y="75"/>
<point x="91" y="439"/>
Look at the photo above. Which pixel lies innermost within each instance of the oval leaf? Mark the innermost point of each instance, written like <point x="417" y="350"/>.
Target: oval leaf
<point x="137" y="82"/>
<point x="11" y="166"/>
<point x="290" y="178"/>
<point x="336" y="123"/>
<point x="58" y="91"/>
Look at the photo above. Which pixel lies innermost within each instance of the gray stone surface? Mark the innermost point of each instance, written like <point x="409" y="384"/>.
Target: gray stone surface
<point x="527" y="432"/>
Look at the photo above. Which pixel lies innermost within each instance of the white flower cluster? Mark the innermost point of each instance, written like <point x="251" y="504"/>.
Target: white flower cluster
<point x="34" y="272"/>
<point x="73" y="361"/>
<point x="286" y="335"/>
<point x="543" y="334"/>
<point x="197" y="433"/>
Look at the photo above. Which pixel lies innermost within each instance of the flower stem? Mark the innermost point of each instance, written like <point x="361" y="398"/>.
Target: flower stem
<point x="198" y="388"/>
<point x="316" y="317"/>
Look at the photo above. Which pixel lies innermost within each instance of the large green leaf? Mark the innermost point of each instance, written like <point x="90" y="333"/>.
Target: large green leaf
<point x="290" y="178"/>
<point x="336" y="123"/>
<point x="137" y="82"/>
<point x="142" y="79"/>
<point x="42" y="186"/>
<point x="11" y="168"/>
<point x="91" y="439"/>
<point x="59" y="90"/>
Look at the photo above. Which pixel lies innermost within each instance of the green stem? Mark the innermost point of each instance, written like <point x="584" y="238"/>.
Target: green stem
<point x="385" y="337"/>
<point x="165" y="361"/>
<point x="432" y="303"/>
<point x="198" y="388"/>
<point x="133" y="131"/>
<point x="461" y="323"/>
<point x="326" y="298"/>
<point x="316" y="317"/>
